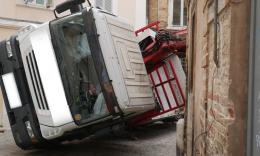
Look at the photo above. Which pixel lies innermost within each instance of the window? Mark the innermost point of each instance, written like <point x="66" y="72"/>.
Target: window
<point x="79" y="73"/>
<point x="105" y="4"/>
<point x="177" y="13"/>
<point x="45" y="3"/>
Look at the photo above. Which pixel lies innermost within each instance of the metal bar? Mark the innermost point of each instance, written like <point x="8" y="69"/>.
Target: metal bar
<point x="165" y="82"/>
<point x="147" y="27"/>
<point x="253" y="127"/>
<point x="164" y="91"/>
<point x="173" y="92"/>
<point x="156" y="91"/>
<point x="181" y="32"/>
<point x="215" y="57"/>
<point x="149" y="115"/>
<point x="177" y="80"/>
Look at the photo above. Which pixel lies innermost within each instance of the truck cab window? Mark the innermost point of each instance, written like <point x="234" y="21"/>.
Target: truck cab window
<point x="78" y="71"/>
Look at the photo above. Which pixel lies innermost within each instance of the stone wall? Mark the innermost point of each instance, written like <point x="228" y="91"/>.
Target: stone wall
<point x="158" y="11"/>
<point x="220" y="107"/>
<point x="217" y="99"/>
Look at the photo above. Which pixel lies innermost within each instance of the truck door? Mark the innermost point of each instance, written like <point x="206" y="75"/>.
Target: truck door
<point x="84" y="77"/>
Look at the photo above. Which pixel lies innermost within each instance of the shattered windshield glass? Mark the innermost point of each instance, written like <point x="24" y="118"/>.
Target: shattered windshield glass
<point x="78" y="71"/>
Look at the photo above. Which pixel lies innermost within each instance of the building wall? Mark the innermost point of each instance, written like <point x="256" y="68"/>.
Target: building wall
<point x="158" y="11"/>
<point x="16" y="9"/>
<point x="124" y="10"/>
<point x="164" y="11"/>
<point x="140" y="14"/>
<point x="6" y="31"/>
<point x="134" y="11"/>
<point x="217" y="98"/>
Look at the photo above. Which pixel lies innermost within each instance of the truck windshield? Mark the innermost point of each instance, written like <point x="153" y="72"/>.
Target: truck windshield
<point x="77" y="68"/>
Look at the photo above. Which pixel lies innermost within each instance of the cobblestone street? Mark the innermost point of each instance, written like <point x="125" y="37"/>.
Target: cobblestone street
<point x="153" y="140"/>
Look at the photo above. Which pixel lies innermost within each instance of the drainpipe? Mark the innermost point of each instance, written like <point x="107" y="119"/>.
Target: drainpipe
<point x="158" y="10"/>
<point x="253" y="127"/>
<point x="216" y="34"/>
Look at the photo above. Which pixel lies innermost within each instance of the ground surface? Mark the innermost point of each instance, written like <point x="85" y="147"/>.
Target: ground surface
<point x="153" y="140"/>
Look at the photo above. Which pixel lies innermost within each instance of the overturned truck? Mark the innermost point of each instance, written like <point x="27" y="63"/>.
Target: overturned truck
<point x="69" y="78"/>
<point x="84" y="73"/>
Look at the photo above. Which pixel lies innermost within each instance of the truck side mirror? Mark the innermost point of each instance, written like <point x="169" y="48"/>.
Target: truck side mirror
<point x="72" y="5"/>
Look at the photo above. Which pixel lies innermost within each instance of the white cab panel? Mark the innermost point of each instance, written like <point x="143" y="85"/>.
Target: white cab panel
<point x="50" y="76"/>
<point x="58" y="116"/>
<point x="124" y="63"/>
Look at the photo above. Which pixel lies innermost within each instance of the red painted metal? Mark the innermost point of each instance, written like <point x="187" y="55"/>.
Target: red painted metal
<point x="173" y="92"/>
<point x="163" y="87"/>
<point x="154" y="24"/>
<point x="156" y="91"/>
<point x="158" y="59"/>
<point x="147" y="116"/>
<point x="164" y="51"/>
<point x="181" y="32"/>
<point x="177" y="81"/>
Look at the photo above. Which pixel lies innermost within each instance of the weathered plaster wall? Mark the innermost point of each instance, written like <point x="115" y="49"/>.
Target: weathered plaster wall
<point x="216" y="119"/>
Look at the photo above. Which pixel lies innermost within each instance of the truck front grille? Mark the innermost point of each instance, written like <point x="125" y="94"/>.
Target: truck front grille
<point x="36" y="81"/>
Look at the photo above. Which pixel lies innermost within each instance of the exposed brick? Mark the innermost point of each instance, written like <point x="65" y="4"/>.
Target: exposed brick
<point x="160" y="14"/>
<point x="216" y="87"/>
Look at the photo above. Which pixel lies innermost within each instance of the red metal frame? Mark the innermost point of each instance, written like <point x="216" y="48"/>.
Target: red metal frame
<point x="173" y="92"/>
<point x="159" y="59"/>
<point x="177" y="81"/>
<point x="163" y="52"/>
<point x="169" y="81"/>
<point x="154" y="24"/>
<point x="181" y="32"/>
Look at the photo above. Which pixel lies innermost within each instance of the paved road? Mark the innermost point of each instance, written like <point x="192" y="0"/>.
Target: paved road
<point x="153" y="140"/>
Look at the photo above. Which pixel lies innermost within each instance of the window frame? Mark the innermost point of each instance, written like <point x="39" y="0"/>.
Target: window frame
<point x="103" y="77"/>
<point x="35" y="4"/>
<point x="170" y="15"/>
<point x="114" y="6"/>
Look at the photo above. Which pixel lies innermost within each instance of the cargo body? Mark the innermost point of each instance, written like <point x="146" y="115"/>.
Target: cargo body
<point x="162" y="51"/>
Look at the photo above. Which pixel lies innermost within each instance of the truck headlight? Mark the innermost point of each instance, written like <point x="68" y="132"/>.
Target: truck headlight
<point x="11" y="91"/>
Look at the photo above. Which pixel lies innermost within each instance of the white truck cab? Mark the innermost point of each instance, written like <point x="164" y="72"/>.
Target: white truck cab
<point x="72" y="76"/>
